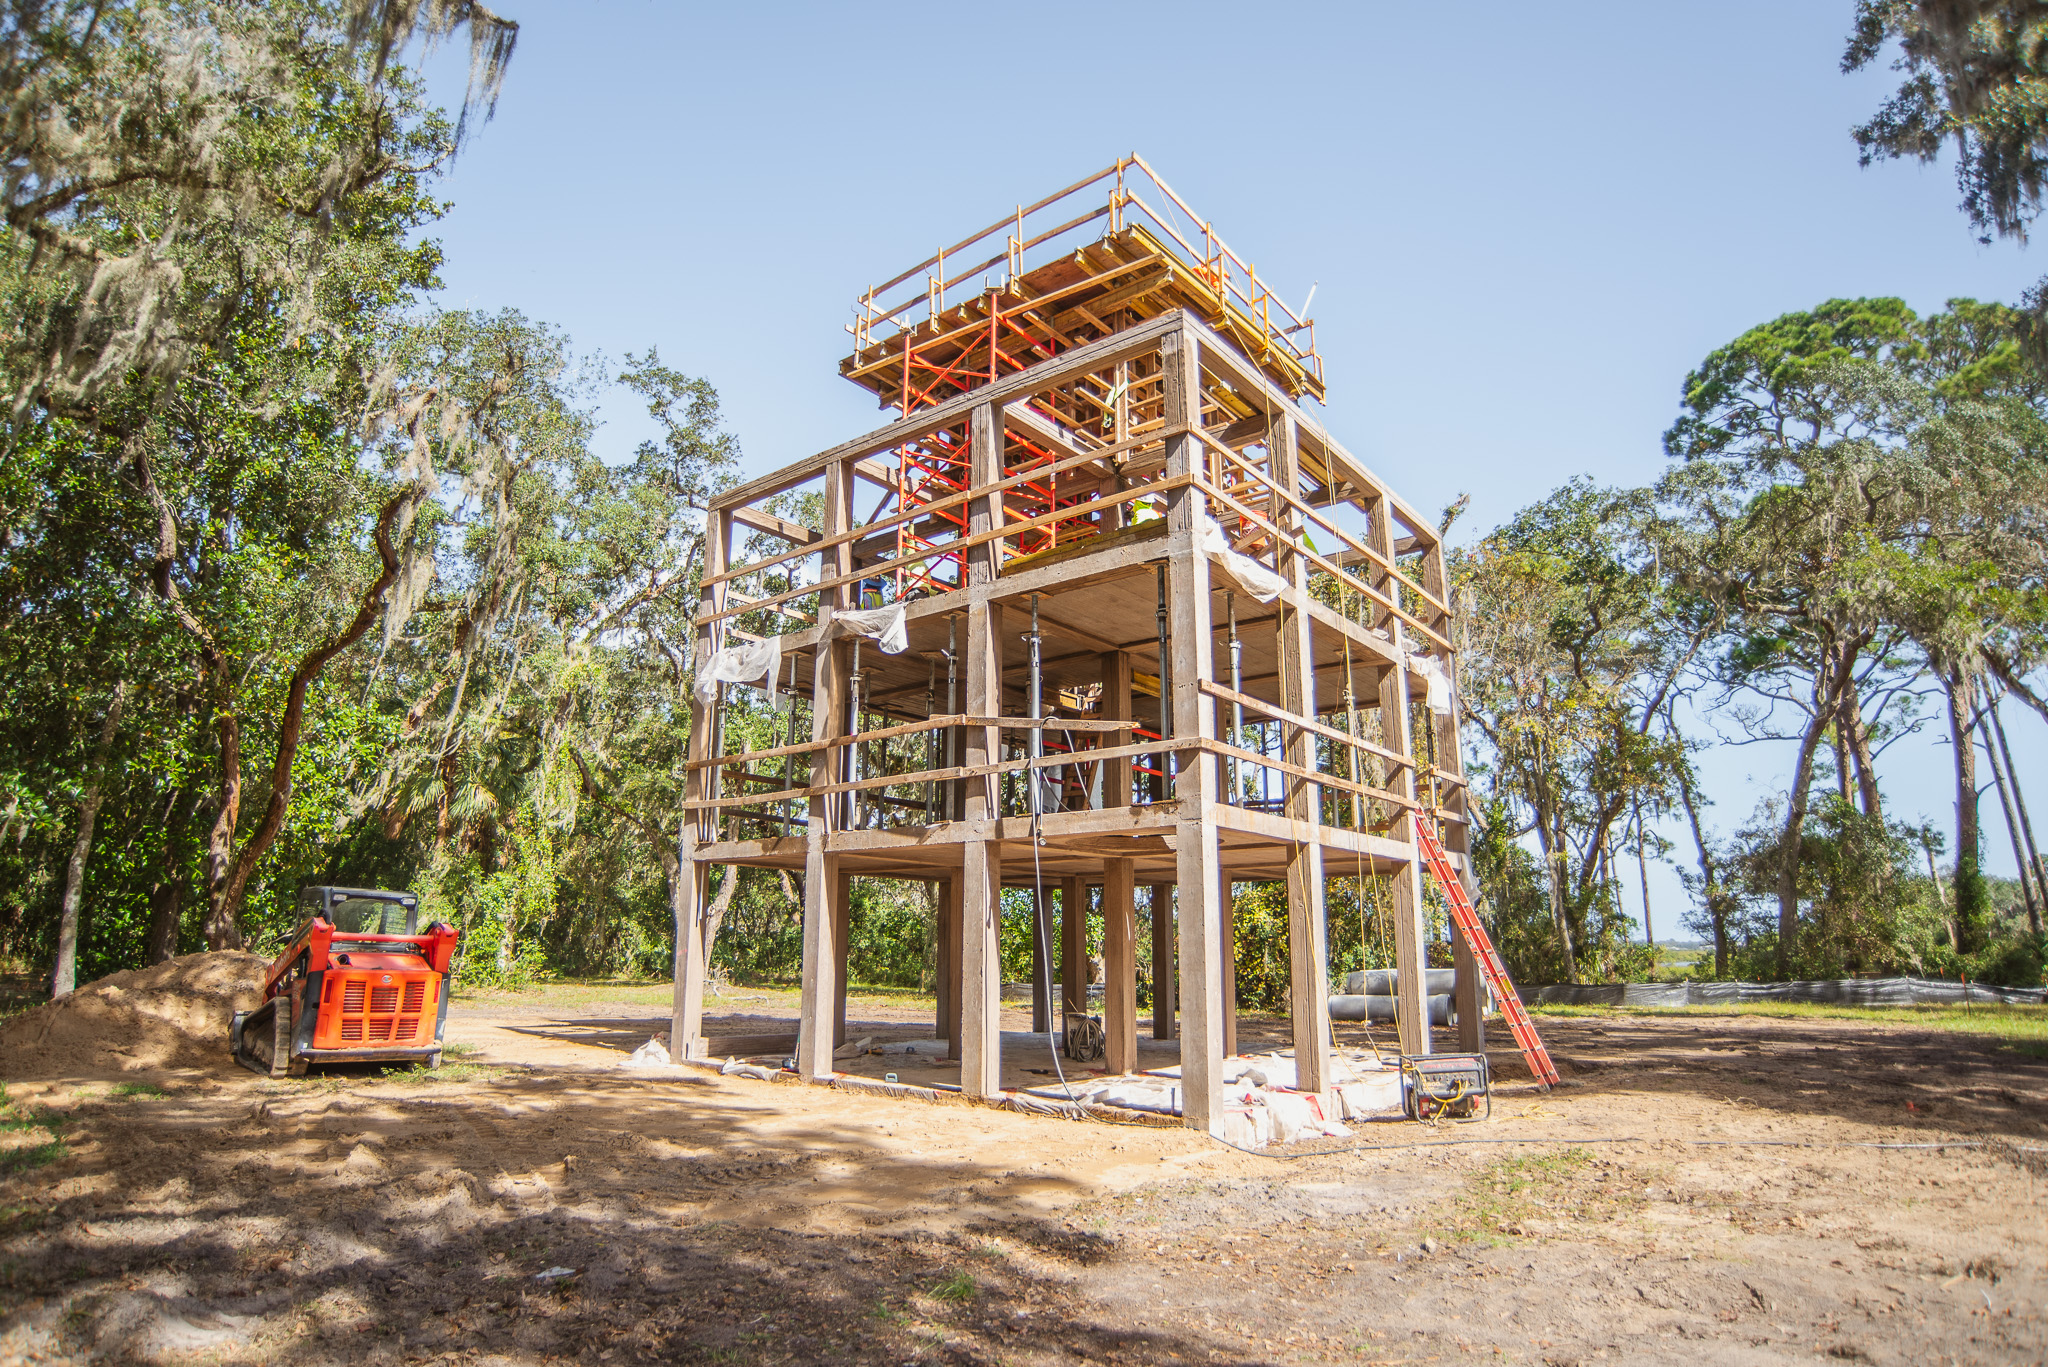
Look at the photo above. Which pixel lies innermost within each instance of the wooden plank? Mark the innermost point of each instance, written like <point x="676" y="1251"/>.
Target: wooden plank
<point x="966" y="544"/>
<point x="1307" y="932"/>
<point x="920" y="776"/>
<point x="691" y="876"/>
<point x="1246" y="376"/>
<point x="1073" y="949"/>
<point x="1086" y="725"/>
<point x="1164" y="979"/>
<point x="829" y="667"/>
<point x="1384" y="599"/>
<point x="996" y="482"/>
<point x="981" y="1039"/>
<point x="1228" y="751"/>
<point x="1116" y="707"/>
<point x="1288" y="718"/>
<point x="1358" y="552"/>
<point x="749" y="1046"/>
<point x="1411" y="1016"/>
<point x="1195" y="839"/>
<point x="842" y="915"/>
<point x="950" y="961"/>
<point x="793" y="532"/>
<point x="1119" y="965"/>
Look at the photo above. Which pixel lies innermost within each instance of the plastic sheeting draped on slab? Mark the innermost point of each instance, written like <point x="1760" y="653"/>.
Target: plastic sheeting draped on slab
<point x="884" y="625"/>
<point x="1254" y="578"/>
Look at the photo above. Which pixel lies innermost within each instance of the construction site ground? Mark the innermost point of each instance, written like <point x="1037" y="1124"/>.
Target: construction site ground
<point x="1690" y="1195"/>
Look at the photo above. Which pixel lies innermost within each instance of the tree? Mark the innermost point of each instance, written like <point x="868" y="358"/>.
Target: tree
<point x="1788" y="444"/>
<point x="210" y="224"/>
<point x="1973" y="75"/>
<point x="1571" y="650"/>
<point x="175" y="170"/>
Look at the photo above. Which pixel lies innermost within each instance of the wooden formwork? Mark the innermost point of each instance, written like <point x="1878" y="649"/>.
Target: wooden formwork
<point x="1188" y="736"/>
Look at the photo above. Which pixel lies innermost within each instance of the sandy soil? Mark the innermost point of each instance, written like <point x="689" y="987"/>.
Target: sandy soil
<point x="1689" y="1196"/>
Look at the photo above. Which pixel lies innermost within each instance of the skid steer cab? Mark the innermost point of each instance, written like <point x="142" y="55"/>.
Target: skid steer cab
<point x="361" y="983"/>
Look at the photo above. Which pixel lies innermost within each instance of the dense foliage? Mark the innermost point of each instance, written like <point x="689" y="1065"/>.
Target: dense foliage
<point x="1855" y="521"/>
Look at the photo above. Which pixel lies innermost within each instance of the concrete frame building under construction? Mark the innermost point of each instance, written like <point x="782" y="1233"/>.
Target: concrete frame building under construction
<point x="1101" y="606"/>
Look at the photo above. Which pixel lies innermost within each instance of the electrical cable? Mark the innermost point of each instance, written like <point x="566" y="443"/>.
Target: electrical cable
<point x="1041" y="940"/>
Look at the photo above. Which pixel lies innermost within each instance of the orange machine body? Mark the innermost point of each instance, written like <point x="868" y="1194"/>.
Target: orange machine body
<point x="379" y="992"/>
<point x="358" y="992"/>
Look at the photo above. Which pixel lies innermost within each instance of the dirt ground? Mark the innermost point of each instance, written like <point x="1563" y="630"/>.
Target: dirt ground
<point x="1689" y="1196"/>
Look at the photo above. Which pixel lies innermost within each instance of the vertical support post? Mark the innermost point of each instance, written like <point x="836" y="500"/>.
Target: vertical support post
<point x="949" y="967"/>
<point x="1120" y="964"/>
<point x="1041" y="962"/>
<point x="1196" y="851"/>
<point x="984" y="511"/>
<point x="1226" y="929"/>
<point x="980" y="1037"/>
<point x="1164" y="979"/>
<point x="1411" y="994"/>
<point x="686" y="1032"/>
<point x="842" y="911"/>
<point x="942" y="982"/>
<point x="1307" y="931"/>
<point x="819" y="1006"/>
<point x="1468" y="995"/>
<point x="1116" y="706"/>
<point x="687" y="894"/>
<point x="1073" y="949"/>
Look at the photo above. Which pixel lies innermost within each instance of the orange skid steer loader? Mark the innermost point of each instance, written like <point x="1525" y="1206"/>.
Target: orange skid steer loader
<point x="360" y="983"/>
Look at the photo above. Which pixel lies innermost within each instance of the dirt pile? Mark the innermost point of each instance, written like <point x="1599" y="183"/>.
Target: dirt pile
<point x="174" y="1015"/>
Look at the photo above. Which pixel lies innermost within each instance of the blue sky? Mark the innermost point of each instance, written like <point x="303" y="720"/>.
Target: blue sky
<point x="1526" y="227"/>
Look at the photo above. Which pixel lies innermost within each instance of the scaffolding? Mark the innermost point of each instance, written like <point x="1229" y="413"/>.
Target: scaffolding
<point x="1182" y="638"/>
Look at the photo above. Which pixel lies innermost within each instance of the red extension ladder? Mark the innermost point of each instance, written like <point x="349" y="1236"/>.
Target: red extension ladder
<point x="1489" y="960"/>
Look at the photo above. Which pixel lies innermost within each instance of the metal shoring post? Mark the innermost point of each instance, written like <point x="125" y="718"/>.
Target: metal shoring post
<point x="1166" y="765"/>
<point x="1236" y="686"/>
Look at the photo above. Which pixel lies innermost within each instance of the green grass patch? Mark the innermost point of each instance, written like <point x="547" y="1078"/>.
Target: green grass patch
<point x="31" y="1157"/>
<point x="956" y="1288"/>
<point x="420" y="1075"/>
<point x="135" y="1089"/>
<point x="1504" y="1199"/>
<point x="16" y="1120"/>
<point x="457" y="1049"/>
<point x="2025" y="1026"/>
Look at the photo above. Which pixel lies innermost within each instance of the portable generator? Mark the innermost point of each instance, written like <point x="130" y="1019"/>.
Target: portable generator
<point x="1435" y="1086"/>
<point x="360" y="983"/>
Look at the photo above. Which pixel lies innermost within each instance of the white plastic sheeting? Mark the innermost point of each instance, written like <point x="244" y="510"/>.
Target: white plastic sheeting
<point x="883" y="625"/>
<point x="1254" y="578"/>
<point x="1437" y="678"/>
<point x="1262" y="1106"/>
<point x="653" y="1054"/>
<point x="743" y="663"/>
